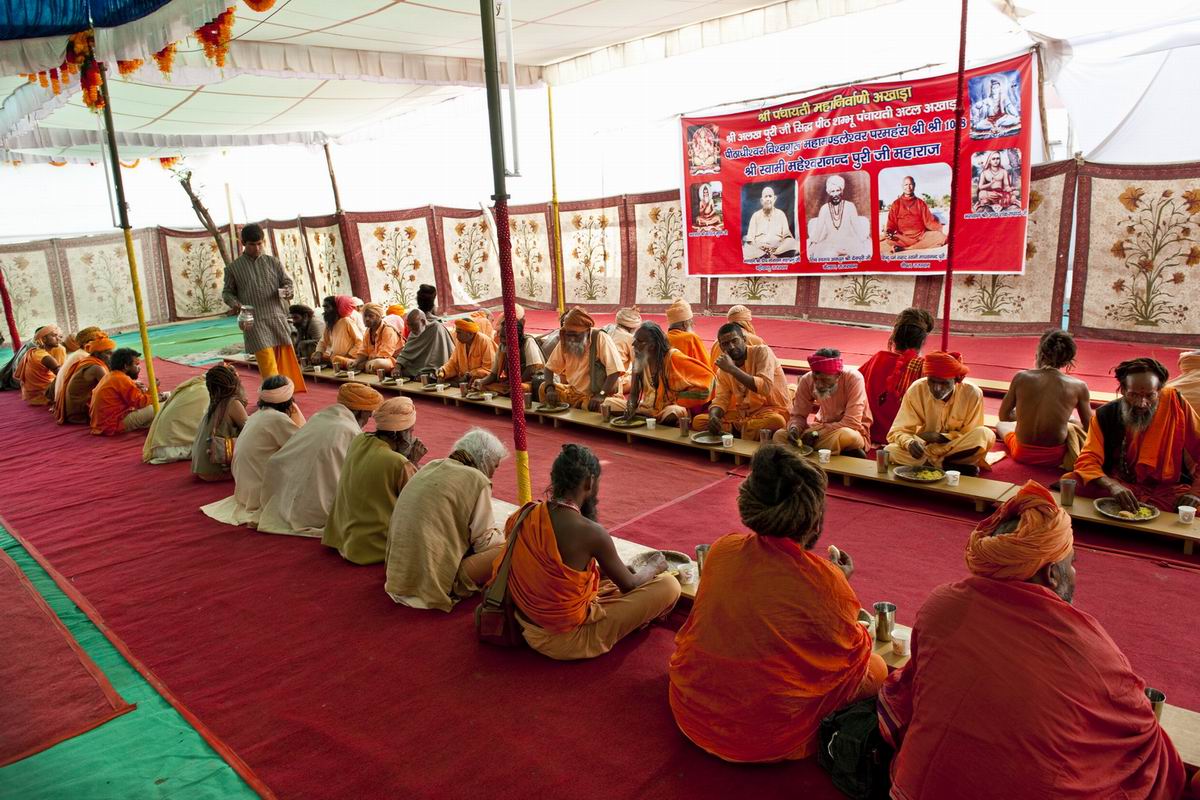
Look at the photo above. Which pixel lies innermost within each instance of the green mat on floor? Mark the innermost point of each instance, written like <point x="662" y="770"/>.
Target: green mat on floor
<point x="177" y="339"/>
<point x="150" y="752"/>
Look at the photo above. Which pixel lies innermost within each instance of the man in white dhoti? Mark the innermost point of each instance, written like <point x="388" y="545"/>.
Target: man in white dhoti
<point x="838" y="229"/>
<point x="769" y="234"/>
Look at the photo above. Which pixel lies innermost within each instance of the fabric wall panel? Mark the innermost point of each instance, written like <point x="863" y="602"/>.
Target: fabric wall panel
<point x="1137" y="254"/>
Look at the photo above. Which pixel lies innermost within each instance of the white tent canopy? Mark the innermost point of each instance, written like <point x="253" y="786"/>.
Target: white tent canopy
<point x="401" y="144"/>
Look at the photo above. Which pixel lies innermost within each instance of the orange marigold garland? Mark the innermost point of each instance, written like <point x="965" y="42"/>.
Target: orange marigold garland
<point x="216" y="35"/>
<point x="168" y="163"/>
<point x="126" y="68"/>
<point x="259" y="5"/>
<point x="165" y="58"/>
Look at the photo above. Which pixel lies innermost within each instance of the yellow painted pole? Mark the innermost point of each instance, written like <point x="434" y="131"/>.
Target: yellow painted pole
<point x="130" y="252"/>
<point x="558" y="251"/>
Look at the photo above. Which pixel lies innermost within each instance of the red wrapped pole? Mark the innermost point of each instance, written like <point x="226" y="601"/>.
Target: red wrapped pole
<point x="8" y="315"/>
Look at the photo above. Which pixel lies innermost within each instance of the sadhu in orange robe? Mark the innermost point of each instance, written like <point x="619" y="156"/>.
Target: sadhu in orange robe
<point x="771" y="647"/>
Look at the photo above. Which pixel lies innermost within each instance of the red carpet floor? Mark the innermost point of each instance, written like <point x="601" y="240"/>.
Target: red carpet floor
<point x="990" y="357"/>
<point x="52" y="690"/>
<point x="303" y="665"/>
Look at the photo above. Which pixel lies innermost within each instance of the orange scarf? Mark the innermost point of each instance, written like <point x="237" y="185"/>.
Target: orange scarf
<point x="553" y="596"/>
<point x="60" y="399"/>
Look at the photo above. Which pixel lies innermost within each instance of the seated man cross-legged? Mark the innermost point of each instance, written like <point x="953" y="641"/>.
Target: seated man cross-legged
<point x="473" y="354"/>
<point x="377" y="468"/>
<point x="839" y="396"/>
<point x="587" y="362"/>
<point x="752" y="391"/>
<point x="529" y="356"/>
<point x="379" y="344"/>
<point x="940" y="423"/>
<point x="773" y="643"/>
<point x="1035" y="416"/>
<point x="442" y="538"/>
<point x="1013" y="692"/>
<point x="667" y="384"/>
<point x="119" y="404"/>
<point x="1144" y="446"/>
<point x="564" y="610"/>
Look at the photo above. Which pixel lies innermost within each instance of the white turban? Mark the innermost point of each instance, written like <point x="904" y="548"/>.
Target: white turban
<point x="835" y="181"/>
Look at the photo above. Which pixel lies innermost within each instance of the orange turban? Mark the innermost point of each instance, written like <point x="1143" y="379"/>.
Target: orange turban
<point x="947" y="366"/>
<point x="395" y="309"/>
<point x="468" y="325"/>
<point x="88" y="334"/>
<point x="1042" y="536"/>
<point x="396" y="414"/>
<point x="578" y="321"/>
<point x="100" y="345"/>
<point x="742" y="316"/>
<point x="679" y="311"/>
<point x="376" y="307"/>
<point x="518" y="312"/>
<point x="357" y="397"/>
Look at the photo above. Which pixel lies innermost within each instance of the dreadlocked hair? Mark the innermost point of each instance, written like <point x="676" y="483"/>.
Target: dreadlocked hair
<point x="574" y="464"/>
<point x="1135" y="366"/>
<point x="783" y="496"/>
<point x="222" y="382"/>
<point x="1056" y="349"/>
<point x="911" y="327"/>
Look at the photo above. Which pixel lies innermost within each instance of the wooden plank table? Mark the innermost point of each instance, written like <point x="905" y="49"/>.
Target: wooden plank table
<point x="1167" y="524"/>
<point x="1183" y="727"/>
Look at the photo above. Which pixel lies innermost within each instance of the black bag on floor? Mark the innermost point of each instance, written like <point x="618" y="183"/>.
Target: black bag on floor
<point x="852" y="750"/>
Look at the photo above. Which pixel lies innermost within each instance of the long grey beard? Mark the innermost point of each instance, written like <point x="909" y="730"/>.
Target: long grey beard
<point x="577" y="348"/>
<point x="823" y="394"/>
<point x="1137" y="419"/>
<point x="640" y="360"/>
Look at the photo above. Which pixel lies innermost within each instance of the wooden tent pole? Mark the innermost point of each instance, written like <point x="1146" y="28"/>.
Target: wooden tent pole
<point x="130" y="252"/>
<point x="558" y="251"/>
<point x="337" y="198"/>
<point x="960" y="114"/>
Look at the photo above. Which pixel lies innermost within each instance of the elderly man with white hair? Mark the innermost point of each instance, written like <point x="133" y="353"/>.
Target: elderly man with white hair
<point x="443" y="538"/>
<point x="838" y="231"/>
<point x="769" y="234"/>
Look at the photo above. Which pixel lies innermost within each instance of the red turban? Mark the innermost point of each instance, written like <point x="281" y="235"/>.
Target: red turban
<point x="947" y="366"/>
<point x="344" y="304"/>
<point x="1042" y="536"/>
<point x="826" y="364"/>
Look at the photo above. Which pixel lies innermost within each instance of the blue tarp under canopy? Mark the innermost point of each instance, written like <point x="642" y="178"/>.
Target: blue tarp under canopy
<point x="29" y="19"/>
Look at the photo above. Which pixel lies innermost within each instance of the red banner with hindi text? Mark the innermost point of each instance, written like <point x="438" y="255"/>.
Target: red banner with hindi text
<point x="858" y="180"/>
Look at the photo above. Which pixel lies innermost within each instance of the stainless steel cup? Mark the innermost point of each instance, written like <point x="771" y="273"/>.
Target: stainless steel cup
<point x="1156" y="699"/>
<point x="701" y="555"/>
<point x="464" y="388"/>
<point x="685" y="428"/>
<point x="1067" y="491"/>
<point x="764" y="436"/>
<point x="605" y="413"/>
<point x="881" y="461"/>
<point x="885" y="620"/>
<point x="380" y="373"/>
<point x="425" y="380"/>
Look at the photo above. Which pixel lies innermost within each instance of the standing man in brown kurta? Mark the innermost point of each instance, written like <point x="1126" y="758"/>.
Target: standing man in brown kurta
<point x="257" y="281"/>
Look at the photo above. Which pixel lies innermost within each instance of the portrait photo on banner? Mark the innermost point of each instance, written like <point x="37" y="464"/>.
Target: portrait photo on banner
<point x="996" y="183"/>
<point x="704" y="149"/>
<point x="704" y="200"/>
<point x="914" y="211"/>
<point x="995" y="104"/>
<point x="769" y="222"/>
<point x="837" y="207"/>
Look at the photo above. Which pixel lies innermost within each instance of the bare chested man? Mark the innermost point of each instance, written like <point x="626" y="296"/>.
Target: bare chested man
<point x="1035" y="415"/>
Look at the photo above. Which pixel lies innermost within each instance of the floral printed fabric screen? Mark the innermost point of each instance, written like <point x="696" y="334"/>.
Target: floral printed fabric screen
<point x="398" y="255"/>
<point x="1028" y="303"/>
<point x="1137" y="254"/>
<point x="328" y="260"/>
<point x="195" y="272"/>
<point x="30" y="272"/>
<point x="289" y="245"/>
<point x="658" y="252"/>
<point x="593" y="245"/>
<point x="532" y="256"/>
<point x="97" y="285"/>
<point x="472" y="266"/>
